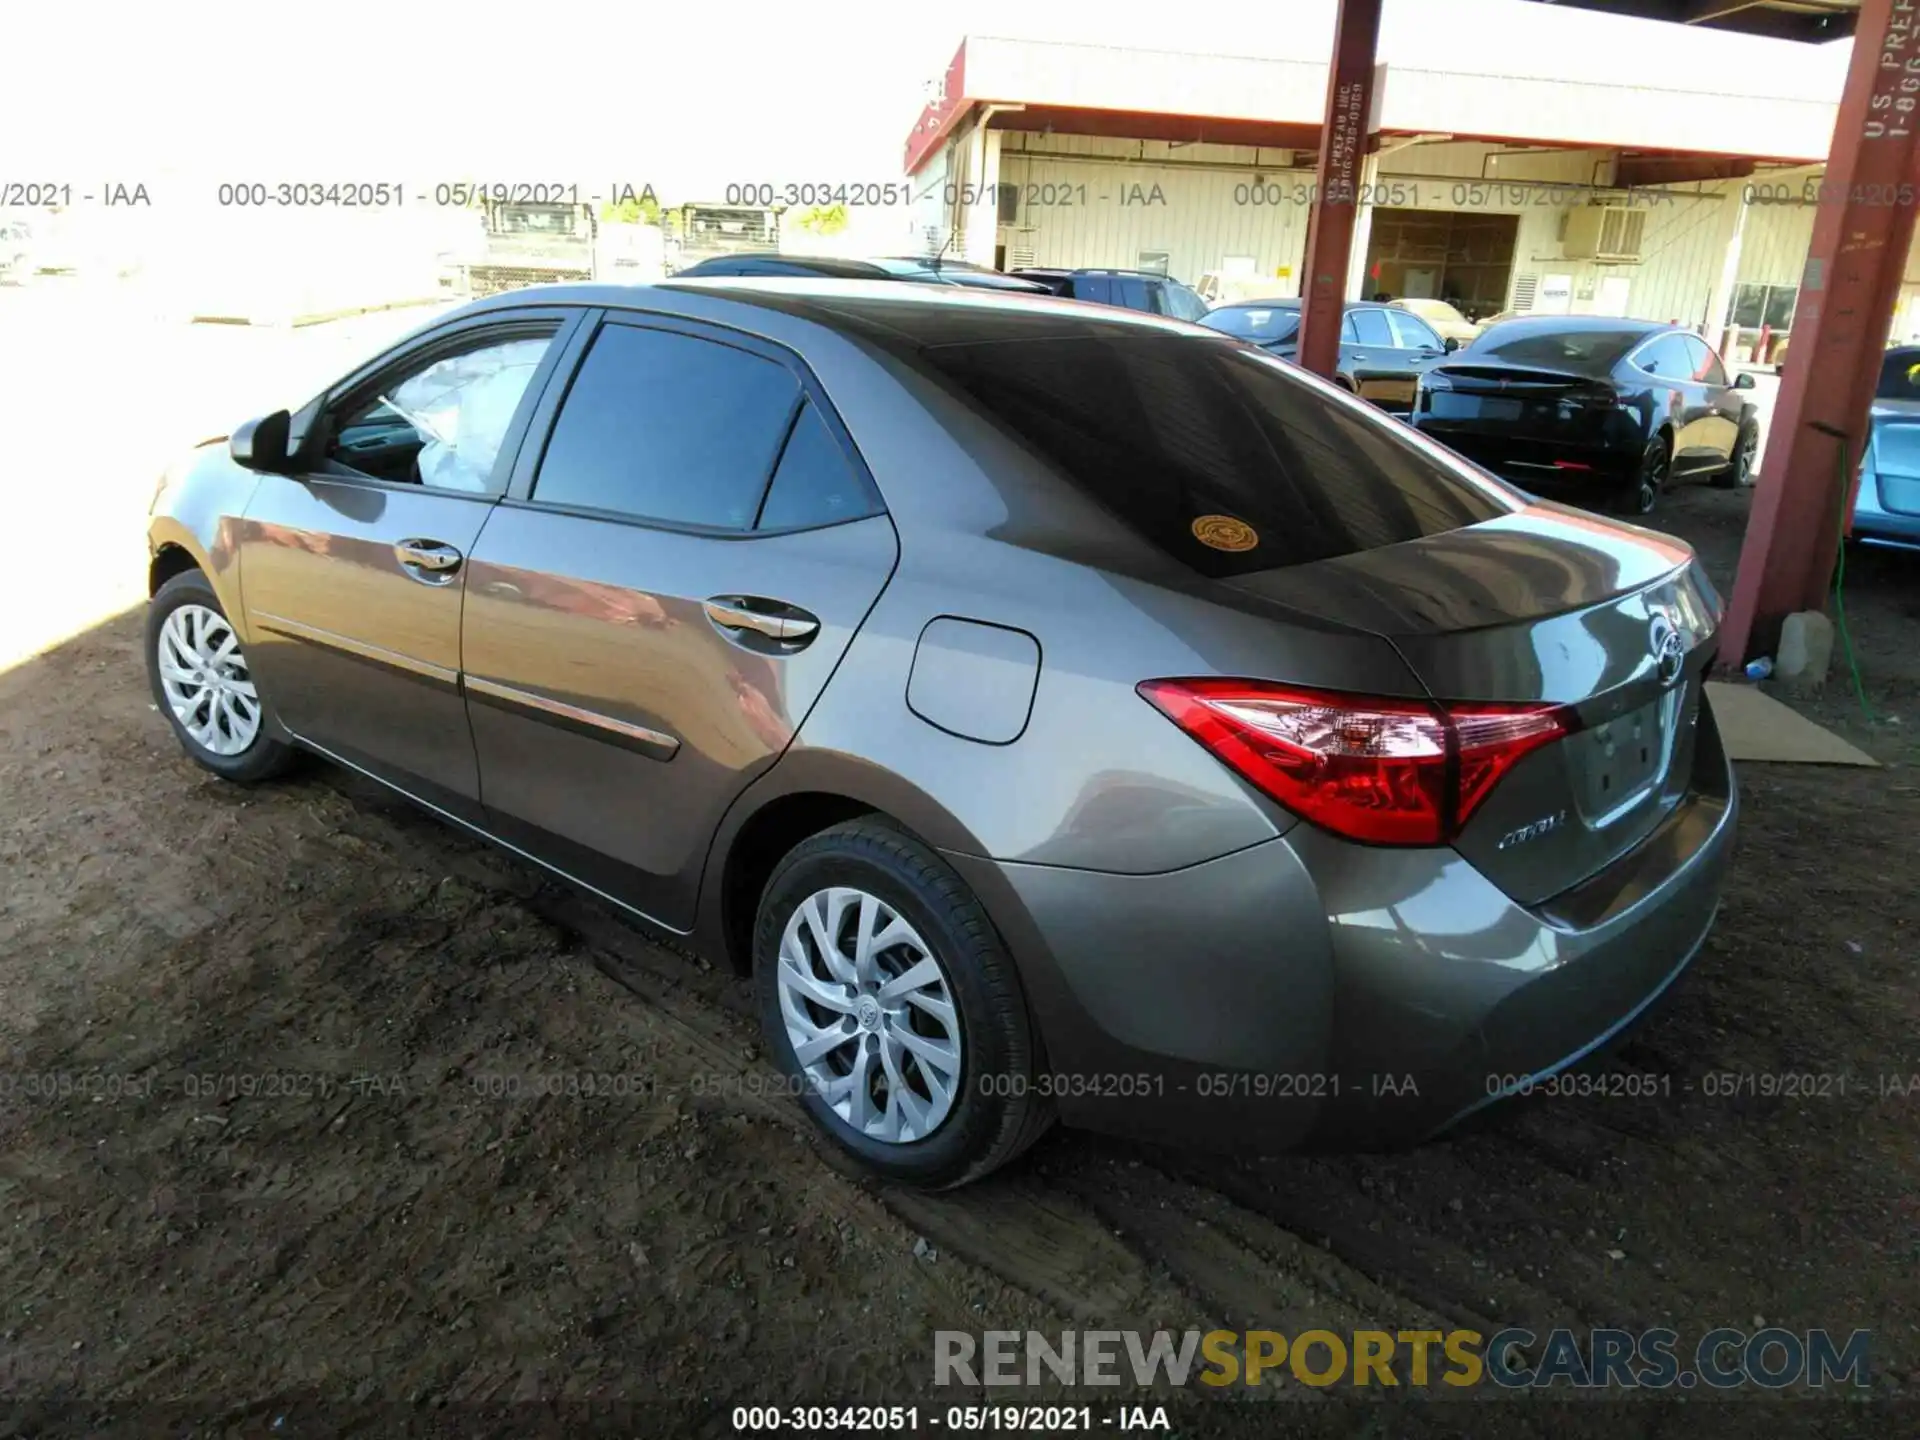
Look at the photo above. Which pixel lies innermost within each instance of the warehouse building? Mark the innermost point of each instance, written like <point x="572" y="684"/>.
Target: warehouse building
<point x="1515" y="171"/>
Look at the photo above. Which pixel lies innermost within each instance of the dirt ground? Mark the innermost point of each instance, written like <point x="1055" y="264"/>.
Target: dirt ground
<point x="270" y="1160"/>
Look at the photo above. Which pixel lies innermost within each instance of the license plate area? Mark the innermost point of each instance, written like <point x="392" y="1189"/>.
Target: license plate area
<point x="1627" y="756"/>
<point x="1389" y="392"/>
<point x="1448" y="405"/>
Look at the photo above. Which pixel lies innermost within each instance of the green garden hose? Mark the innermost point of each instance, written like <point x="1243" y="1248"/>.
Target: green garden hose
<point x="1839" y="587"/>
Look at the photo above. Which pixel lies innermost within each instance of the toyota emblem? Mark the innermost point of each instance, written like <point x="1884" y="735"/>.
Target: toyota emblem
<point x="1669" y="650"/>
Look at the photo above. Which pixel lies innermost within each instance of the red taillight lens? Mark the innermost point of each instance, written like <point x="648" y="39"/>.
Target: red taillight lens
<point x="1386" y="771"/>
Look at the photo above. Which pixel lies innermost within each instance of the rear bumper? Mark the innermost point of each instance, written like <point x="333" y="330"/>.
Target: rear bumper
<point x="1531" y="458"/>
<point x="1309" y="991"/>
<point x="1874" y="520"/>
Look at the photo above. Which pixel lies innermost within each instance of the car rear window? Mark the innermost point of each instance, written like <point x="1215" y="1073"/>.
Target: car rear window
<point x="1175" y="434"/>
<point x="1899" y="376"/>
<point x="1589" y="351"/>
<point x="1262" y="324"/>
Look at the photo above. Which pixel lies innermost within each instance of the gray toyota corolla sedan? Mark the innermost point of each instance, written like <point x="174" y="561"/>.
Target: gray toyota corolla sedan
<point x="1058" y="710"/>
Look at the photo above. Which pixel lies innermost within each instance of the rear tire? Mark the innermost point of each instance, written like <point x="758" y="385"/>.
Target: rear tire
<point x="200" y="680"/>
<point x="1739" y="470"/>
<point x="1642" y="491"/>
<point x="934" y="1083"/>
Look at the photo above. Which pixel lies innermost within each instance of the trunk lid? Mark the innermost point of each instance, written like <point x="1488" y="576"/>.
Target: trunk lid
<point x="1548" y="604"/>
<point x="1520" y="401"/>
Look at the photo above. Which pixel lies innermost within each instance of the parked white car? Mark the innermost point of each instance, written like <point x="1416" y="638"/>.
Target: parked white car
<point x="1451" y="324"/>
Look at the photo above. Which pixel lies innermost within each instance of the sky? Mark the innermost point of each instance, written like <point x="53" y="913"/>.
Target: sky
<point x="688" y="98"/>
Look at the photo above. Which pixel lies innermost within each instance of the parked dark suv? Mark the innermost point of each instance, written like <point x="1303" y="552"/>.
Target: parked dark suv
<point x="1147" y="290"/>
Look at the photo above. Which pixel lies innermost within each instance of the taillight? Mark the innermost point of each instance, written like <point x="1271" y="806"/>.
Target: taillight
<point x="1384" y="771"/>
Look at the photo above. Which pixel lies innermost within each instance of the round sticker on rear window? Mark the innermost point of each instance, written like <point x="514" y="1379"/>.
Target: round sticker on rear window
<point x="1223" y="532"/>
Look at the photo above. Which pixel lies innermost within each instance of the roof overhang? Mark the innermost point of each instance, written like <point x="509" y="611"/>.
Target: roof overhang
<point x="1709" y="132"/>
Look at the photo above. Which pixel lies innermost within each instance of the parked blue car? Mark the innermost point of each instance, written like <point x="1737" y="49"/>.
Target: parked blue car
<point x="1887" y="511"/>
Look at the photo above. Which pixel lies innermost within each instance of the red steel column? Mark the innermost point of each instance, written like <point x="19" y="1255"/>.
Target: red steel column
<point x="1343" y="144"/>
<point x="1861" y="234"/>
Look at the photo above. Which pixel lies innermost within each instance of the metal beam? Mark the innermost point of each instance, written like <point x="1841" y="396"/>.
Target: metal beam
<point x="1862" y="231"/>
<point x="1346" y="128"/>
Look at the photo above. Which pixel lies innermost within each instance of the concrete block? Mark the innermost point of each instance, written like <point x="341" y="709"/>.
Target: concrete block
<point x="1806" y="651"/>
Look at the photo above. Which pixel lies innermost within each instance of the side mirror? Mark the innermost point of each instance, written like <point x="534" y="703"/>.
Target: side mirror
<point x="1452" y="342"/>
<point x="261" y="444"/>
<point x="1744" y="380"/>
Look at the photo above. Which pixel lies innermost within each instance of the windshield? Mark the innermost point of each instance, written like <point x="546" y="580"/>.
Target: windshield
<point x="1593" y="351"/>
<point x="1262" y="324"/>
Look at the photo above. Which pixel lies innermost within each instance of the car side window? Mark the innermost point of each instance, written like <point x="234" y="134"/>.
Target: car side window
<point x="813" y="484"/>
<point x="1410" y="332"/>
<point x="1131" y="291"/>
<point x="1096" y="288"/>
<point x="1665" y="357"/>
<point x="1347" y="333"/>
<point x="1370" y="327"/>
<point x="1154" y="296"/>
<point x="1707" y="368"/>
<point x="443" y="424"/>
<point x="664" y="426"/>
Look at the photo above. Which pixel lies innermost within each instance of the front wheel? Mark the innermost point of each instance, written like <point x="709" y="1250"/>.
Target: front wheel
<point x="1739" y="469"/>
<point x="890" y="1002"/>
<point x="201" y="682"/>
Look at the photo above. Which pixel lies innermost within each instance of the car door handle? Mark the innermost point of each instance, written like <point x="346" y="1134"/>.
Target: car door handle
<point x="771" y="618"/>
<point x="435" y="557"/>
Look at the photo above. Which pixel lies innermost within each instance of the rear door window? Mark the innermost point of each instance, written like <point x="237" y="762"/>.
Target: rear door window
<point x="814" y="484"/>
<point x="1413" y="333"/>
<point x="670" y="428"/>
<point x="1171" y="433"/>
<point x="1667" y="358"/>
<point x="1370" y="328"/>
<point x="1131" y="291"/>
<point x="1707" y="368"/>
<point x="1096" y="288"/>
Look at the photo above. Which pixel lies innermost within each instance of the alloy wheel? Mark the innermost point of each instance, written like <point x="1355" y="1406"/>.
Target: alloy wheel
<point x="1653" y="475"/>
<point x="203" y="673"/>
<point x="1743" y="464"/>
<point x="870" y="1015"/>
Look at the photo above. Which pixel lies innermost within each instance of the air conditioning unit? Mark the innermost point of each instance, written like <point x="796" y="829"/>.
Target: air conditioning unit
<point x="1610" y="233"/>
<point x="1524" y="290"/>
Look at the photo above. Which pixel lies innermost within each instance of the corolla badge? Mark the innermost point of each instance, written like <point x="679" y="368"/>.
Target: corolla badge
<point x="1668" y="648"/>
<point x="1545" y="825"/>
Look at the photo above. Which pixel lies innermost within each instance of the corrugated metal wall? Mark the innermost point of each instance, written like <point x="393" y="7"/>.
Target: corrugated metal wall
<point x="1221" y="201"/>
<point x="1091" y="201"/>
<point x="1775" y="240"/>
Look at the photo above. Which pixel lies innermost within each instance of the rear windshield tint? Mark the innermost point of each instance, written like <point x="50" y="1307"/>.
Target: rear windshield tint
<point x="1183" y="437"/>
<point x="1588" y="351"/>
<point x="1262" y="324"/>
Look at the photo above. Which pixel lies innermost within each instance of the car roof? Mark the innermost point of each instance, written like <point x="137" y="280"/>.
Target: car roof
<point x="795" y="264"/>
<point x="1292" y="302"/>
<point x="915" y="314"/>
<point x="1575" y="323"/>
<point x="1089" y="270"/>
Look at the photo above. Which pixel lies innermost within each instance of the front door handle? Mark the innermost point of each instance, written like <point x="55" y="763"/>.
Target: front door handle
<point x="438" y="559"/>
<point x="763" y="617"/>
